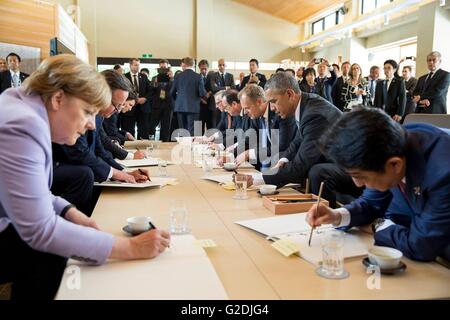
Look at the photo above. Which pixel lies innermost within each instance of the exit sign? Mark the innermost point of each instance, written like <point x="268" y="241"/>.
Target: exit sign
<point x="147" y="55"/>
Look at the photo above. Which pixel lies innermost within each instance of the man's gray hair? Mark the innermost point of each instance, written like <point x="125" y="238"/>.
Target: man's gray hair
<point x="253" y="92"/>
<point x="281" y="82"/>
<point x="219" y="94"/>
<point x="435" y="53"/>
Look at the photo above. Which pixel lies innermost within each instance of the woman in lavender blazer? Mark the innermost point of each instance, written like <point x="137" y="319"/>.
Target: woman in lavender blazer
<point x="39" y="231"/>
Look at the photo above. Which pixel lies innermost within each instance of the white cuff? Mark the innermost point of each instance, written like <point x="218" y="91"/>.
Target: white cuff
<point x="251" y="154"/>
<point x="386" y="224"/>
<point x="110" y="173"/>
<point x="130" y="156"/>
<point x="285" y="160"/>
<point x="345" y="217"/>
<point x="258" y="179"/>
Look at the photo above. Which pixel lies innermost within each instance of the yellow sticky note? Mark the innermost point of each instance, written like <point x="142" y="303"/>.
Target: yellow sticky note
<point x="205" y="243"/>
<point x="285" y="247"/>
<point x="172" y="182"/>
<point x="230" y="186"/>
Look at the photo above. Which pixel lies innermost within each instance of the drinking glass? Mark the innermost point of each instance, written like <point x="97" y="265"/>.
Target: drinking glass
<point x="240" y="181"/>
<point x="332" y="267"/>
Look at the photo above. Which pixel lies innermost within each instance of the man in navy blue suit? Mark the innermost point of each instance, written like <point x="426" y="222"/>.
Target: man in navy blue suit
<point x="187" y="89"/>
<point x="407" y="178"/>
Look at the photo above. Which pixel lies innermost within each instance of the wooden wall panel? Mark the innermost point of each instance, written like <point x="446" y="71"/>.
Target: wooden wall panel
<point x="29" y="23"/>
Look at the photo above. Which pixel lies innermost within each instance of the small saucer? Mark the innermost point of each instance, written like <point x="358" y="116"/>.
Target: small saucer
<point x="268" y="194"/>
<point x="401" y="267"/>
<point x="128" y="230"/>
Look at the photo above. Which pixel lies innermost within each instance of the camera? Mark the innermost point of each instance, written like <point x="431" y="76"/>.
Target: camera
<point x="318" y="61"/>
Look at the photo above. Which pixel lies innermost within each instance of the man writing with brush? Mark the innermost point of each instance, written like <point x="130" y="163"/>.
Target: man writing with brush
<point x="407" y="178"/>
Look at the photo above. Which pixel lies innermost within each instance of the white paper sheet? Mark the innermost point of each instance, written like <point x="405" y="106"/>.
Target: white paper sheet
<point x="181" y="272"/>
<point x="295" y="228"/>
<point x="245" y="165"/>
<point x="156" y="182"/>
<point x="140" y="163"/>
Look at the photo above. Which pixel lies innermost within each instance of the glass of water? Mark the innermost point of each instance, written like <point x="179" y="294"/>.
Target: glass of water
<point x="178" y="223"/>
<point x="207" y="164"/>
<point x="332" y="266"/>
<point x="240" y="181"/>
<point x="149" y="150"/>
<point x="162" y="167"/>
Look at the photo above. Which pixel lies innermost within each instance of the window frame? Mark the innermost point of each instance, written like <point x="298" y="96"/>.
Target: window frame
<point x="322" y="21"/>
<point x="376" y="6"/>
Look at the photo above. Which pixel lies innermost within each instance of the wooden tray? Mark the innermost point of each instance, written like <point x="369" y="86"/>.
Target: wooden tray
<point x="291" y="203"/>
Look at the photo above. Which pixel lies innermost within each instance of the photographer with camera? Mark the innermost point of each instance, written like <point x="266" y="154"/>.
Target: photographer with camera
<point x="324" y="83"/>
<point x="162" y="105"/>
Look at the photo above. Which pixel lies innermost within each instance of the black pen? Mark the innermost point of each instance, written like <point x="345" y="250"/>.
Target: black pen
<point x="152" y="226"/>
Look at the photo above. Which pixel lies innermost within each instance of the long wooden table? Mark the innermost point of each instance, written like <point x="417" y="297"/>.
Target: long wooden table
<point x="247" y="265"/>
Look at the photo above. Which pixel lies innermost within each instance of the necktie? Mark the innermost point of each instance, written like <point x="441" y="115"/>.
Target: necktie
<point x="229" y="121"/>
<point x="15" y="80"/>
<point x="385" y="92"/>
<point x="428" y="80"/>
<point x="264" y="132"/>
<point x="135" y="83"/>
<point x="223" y="79"/>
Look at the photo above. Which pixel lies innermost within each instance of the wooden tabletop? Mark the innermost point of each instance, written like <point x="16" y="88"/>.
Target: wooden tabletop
<point x="247" y="265"/>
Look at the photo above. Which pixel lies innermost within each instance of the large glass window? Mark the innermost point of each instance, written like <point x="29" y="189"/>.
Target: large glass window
<point x="327" y="22"/>
<point x="370" y="5"/>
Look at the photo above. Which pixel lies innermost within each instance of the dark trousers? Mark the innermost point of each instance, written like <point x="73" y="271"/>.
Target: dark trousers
<point x="74" y="183"/>
<point x="186" y="121"/>
<point x="134" y="118"/>
<point x="335" y="181"/>
<point x="205" y="117"/>
<point x="162" y="116"/>
<point x="34" y="274"/>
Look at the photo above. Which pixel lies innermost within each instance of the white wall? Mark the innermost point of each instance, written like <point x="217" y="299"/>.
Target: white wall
<point x="208" y="29"/>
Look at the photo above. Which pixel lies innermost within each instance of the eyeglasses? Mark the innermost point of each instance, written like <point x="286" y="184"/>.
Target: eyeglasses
<point x="222" y="65"/>
<point x="117" y="108"/>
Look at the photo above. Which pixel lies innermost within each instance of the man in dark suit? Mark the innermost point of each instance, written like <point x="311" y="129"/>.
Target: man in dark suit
<point x="390" y="94"/>
<point x="220" y="80"/>
<point x="410" y="86"/>
<point x="268" y="135"/>
<point x="406" y="200"/>
<point x="431" y="90"/>
<point x="88" y="155"/>
<point x="254" y="76"/>
<point x="162" y="103"/>
<point x="336" y="91"/>
<point x="205" y="102"/>
<point x="323" y="82"/>
<point x="187" y="90"/>
<point x="12" y="77"/>
<point x="372" y="81"/>
<point x="313" y="115"/>
<point x="140" y="114"/>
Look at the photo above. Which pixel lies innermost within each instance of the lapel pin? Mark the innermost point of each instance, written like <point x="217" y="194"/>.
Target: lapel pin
<point x="417" y="191"/>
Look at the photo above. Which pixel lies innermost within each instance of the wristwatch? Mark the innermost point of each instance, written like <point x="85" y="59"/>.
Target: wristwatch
<point x="377" y="223"/>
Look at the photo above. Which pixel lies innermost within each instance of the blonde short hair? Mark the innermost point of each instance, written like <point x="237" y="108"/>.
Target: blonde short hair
<point x="76" y="78"/>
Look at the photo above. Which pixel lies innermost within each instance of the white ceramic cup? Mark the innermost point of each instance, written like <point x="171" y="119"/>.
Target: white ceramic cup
<point x="229" y="166"/>
<point x="267" y="189"/>
<point x="385" y="257"/>
<point x="139" y="224"/>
